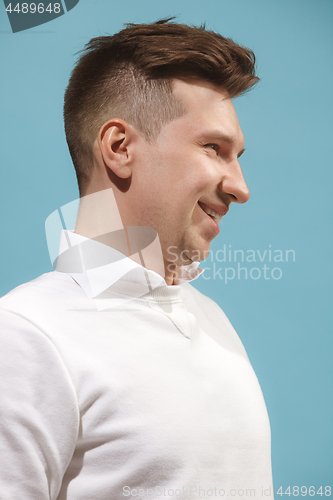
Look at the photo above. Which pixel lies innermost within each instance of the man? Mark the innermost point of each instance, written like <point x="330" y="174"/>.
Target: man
<point x="118" y="377"/>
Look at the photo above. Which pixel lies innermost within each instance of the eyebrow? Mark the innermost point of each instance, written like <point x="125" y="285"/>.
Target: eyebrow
<point x="216" y="135"/>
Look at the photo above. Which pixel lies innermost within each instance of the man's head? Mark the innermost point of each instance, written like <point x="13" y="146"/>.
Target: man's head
<point x="148" y="112"/>
<point x="129" y="75"/>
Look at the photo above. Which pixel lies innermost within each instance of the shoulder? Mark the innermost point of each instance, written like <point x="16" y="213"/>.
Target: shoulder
<point x="45" y="289"/>
<point x="24" y="309"/>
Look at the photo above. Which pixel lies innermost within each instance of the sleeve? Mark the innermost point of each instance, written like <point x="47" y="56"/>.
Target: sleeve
<point x="39" y="417"/>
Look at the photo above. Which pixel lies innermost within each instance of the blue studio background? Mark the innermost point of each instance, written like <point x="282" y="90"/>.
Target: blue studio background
<point x="282" y="314"/>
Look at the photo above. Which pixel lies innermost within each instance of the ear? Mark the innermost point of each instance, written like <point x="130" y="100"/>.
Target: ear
<point x="115" y="141"/>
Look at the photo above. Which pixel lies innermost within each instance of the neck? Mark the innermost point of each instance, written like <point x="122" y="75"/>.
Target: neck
<point x="99" y="219"/>
<point x="171" y="271"/>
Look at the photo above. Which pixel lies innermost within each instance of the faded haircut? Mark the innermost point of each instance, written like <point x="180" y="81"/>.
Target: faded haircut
<point x="129" y="76"/>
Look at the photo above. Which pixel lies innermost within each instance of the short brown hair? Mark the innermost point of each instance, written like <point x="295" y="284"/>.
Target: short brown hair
<point x="128" y="75"/>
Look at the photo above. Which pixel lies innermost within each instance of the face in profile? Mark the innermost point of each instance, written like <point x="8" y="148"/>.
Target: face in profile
<point x="188" y="177"/>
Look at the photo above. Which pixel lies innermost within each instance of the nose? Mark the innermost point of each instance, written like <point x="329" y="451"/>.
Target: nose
<point x="233" y="184"/>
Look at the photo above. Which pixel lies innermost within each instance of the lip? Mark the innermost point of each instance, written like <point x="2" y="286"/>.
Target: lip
<point x="220" y="209"/>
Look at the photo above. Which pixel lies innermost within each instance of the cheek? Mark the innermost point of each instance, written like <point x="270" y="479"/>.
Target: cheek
<point x="199" y="180"/>
<point x="176" y="179"/>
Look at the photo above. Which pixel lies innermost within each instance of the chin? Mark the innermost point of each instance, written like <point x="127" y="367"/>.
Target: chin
<point x="195" y="253"/>
<point x="201" y="248"/>
<point x="191" y="249"/>
<point x="199" y="255"/>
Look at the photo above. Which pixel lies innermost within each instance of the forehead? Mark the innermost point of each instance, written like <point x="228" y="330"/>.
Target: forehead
<point x="209" y="109"/>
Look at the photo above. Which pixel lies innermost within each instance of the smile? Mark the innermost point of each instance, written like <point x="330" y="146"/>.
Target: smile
<point x="216" y="216"/>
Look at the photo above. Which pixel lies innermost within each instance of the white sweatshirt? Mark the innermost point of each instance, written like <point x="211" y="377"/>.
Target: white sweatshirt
<point x="148" y="398"/>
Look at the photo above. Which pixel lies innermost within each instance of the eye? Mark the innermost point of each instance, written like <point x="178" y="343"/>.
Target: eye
<point x="215" y="147"/>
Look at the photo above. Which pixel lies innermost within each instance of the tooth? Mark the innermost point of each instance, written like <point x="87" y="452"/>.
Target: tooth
<point x="211" y="212"/>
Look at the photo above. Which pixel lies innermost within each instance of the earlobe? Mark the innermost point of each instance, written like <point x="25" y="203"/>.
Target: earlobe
<point x="114" y="140"/>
